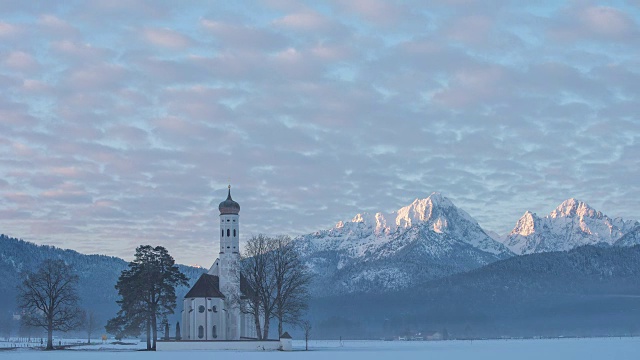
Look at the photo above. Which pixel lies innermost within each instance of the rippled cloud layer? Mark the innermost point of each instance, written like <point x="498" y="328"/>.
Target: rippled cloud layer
<point x="122" y="122"/>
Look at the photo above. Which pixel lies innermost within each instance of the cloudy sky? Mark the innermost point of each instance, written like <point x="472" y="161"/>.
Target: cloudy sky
<point x="123" y="121"/>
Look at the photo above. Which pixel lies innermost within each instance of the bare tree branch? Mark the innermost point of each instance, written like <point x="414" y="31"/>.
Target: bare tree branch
<point x="49" y="299"/>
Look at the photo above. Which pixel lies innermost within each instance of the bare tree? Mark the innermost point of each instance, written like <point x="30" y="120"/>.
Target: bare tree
<point x="291" y="279"/>
<point x="89" y="323"/>
<point x="306" y="326"/>
<point x="49" y="297"/>
<point x="255" y="266"/>
<point x="274" y="270"/>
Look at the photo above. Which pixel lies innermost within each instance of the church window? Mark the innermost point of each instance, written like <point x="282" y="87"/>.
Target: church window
<point x="234" y="232"/>
<point x="201" y="309"/>
<point x="214" y="332"/>
<point x="200" y="332"/>
<point x="228" y="232"/>
<point x="222" y="233"/>
<point x="215" y="309"/>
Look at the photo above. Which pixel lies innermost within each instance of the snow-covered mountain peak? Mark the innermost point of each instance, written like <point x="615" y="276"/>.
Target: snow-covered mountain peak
<point x="360" y="218"/>
<point x="525" y="225"/>
<point x="573" y="223"/>
<point x="428" y="209"/>
<point x="428" y="236"/>
<point x="573" y="207"/>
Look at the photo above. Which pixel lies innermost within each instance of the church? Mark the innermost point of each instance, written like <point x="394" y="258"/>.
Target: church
<point x="211" y="308"/>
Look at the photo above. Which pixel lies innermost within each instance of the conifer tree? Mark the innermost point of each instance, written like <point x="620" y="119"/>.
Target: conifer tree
<point x="147" y="291"/>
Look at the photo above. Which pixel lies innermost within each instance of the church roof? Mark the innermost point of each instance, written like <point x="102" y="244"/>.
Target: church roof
<point x="209" y="286"/>
<point x="206" y="286"/>
<point x="229" y="207"/>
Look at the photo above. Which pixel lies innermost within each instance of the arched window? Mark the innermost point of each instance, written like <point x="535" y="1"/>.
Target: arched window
<point x="201" y="309"/>
<point x="214" y="332"/>
<point x="215" y="309"/>
<point x="228" y="232"/>
<point x="234" y="232"/>
<point x="222" y="232"/>
<point x="200" y="332"/>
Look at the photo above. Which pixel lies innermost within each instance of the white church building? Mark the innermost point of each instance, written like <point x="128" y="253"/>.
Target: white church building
<point x="211" y="309"/>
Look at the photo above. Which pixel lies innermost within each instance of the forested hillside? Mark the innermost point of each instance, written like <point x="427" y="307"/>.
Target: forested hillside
<point x="98" y="275"/>
<point x="586" y="291"/>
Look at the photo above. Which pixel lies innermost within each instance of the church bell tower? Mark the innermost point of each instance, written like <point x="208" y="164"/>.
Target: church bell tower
<point x="229" y="226"/>
<point x="229" y="260"/>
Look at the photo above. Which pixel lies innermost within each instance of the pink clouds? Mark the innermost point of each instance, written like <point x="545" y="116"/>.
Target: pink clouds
<point x="473" y="29"/>
<point x="166" y="38"/>
<point x="97" y="77"/>
<point x="607" y="21"/>
<point x="125" y="119"/>
<point x="473" y="87"/>
<point x="21" y="61"/>
<point x="379" y="11"/>
<point x="240" y="37"/>
<point x="53" y="25"/>
<point x="8" y="30"/>
<point x="307" y="21"/>
<point x="595" y="22"/>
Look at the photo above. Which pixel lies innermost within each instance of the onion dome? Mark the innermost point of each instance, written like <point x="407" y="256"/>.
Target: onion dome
<point x="229" y="207"/>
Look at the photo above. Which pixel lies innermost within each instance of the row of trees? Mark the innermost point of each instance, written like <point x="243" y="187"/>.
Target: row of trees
<point x="279" y="280"/>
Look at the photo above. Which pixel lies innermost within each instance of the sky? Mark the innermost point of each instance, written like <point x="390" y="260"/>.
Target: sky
<point x="123" y="121"/>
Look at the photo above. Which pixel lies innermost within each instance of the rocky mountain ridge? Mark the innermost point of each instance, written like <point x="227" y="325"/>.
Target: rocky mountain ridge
<point x="427" y="239"/>
<point x="573" y="223"/>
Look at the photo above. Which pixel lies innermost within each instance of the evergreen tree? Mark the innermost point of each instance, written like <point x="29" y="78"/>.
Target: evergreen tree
<point x="178" y="337"/>
<point x="147" y="291"/>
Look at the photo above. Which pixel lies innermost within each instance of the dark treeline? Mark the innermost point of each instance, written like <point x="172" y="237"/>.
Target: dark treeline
<point x="97" y="276"/>
<point x="589" y="291"/>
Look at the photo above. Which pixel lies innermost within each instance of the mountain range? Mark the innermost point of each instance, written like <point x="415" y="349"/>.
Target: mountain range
<point x="432" y="256"/>
<point x="432" y="238"/>
<point x="428" y="239"/>
<point x="573" y="223"/>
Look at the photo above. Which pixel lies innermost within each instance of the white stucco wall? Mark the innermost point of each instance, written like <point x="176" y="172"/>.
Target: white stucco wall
<point x="193" y="319"/>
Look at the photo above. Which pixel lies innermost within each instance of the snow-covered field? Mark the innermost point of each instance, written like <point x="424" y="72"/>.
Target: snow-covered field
<point x="610" y="348"/>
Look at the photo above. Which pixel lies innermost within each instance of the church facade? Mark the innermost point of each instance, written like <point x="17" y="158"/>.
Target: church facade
<point x="211" y="308"/>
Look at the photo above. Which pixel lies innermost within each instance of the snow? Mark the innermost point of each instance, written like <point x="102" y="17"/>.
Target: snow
<point x="368" y="252"/>
<point x="548" y="349"/>
<point x="573" y="223"/>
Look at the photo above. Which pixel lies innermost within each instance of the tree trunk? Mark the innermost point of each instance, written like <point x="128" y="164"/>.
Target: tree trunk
<point x="154" y="324"/>
<point x="50" y="337"/>
<point x="265" y="334"/>
<point x="256" y="321"/>
<point x="148" y="333"/>
<point x="279" y="326"/>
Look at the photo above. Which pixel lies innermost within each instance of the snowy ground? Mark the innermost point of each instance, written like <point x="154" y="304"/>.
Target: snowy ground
<point x="611" y="348"/>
